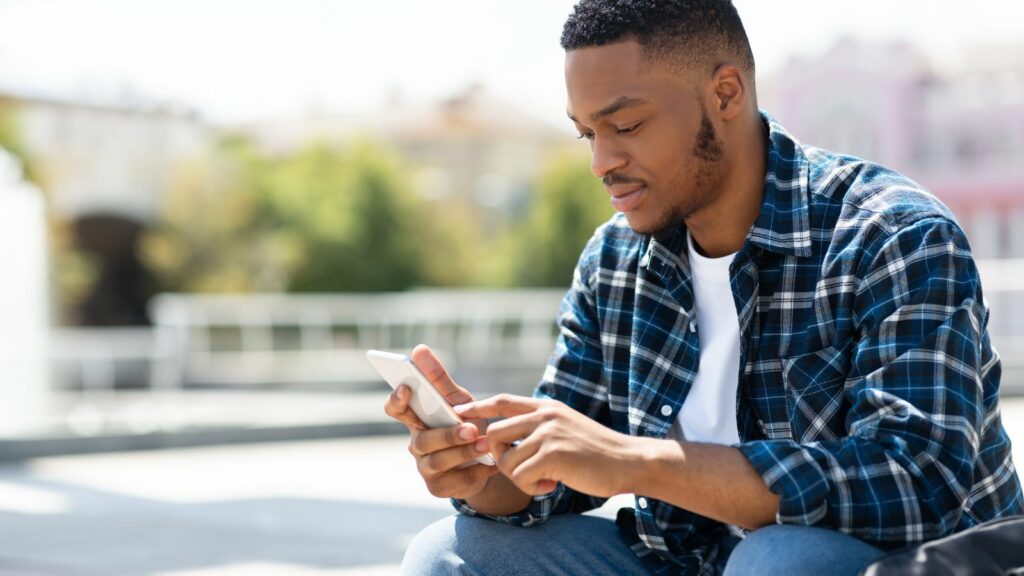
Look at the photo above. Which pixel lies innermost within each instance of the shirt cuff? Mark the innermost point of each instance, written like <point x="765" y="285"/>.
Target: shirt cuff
<point x="536" y="512"/>
<point x="790" y="471"/>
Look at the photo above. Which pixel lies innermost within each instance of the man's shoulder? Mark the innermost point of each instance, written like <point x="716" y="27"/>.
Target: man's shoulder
<point x="863" y="194"/>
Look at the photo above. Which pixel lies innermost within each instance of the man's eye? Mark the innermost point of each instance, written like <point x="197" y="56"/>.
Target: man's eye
<point x="585" y="136"/>
<point x="628" y="129"/>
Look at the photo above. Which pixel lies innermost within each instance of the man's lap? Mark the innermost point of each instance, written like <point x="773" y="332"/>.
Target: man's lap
<point x="583" y="544"/>
<point x="565" y="544"/>
<point x="782" y="549"/>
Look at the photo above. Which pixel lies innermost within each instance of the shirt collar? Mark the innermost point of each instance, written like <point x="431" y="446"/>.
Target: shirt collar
<point x="783" y="226"/>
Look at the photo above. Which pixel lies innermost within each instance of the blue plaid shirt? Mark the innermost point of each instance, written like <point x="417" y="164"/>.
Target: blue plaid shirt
<point x="868" y="397"/>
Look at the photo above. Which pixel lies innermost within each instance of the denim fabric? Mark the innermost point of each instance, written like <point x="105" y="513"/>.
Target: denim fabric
<point x="589" y="545"/>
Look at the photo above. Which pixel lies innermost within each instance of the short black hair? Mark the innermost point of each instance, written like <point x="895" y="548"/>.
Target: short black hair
<point x="697" y="35"/>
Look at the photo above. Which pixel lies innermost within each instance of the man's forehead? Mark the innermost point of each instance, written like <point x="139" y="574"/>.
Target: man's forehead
<point x="602" y="80"/>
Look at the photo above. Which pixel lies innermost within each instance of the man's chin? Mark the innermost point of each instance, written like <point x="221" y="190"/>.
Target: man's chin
<point x="645" y="224"/>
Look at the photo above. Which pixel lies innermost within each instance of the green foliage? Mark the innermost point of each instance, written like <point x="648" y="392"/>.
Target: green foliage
<point x="9" y="129"/>
<point x="10" y="138"/>
<point x="455" y="253"/>
<point x="215" y="232"/>
<point x="328" y="218"/>
<point x="357" y="221"/>
<point x="568" y="205"/>
<point x="322" y="219"/>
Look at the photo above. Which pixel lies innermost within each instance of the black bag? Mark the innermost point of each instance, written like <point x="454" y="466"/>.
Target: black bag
<point x="995" y="547"/>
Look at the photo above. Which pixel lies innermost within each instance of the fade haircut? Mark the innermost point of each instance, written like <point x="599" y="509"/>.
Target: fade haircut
<point x="686" y="35"/>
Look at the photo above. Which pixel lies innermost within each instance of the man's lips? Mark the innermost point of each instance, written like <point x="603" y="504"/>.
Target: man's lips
<point x="626" y="197"/>
<point x="620" y="190"/>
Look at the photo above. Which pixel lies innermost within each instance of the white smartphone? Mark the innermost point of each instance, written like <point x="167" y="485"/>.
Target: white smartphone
<point x="426" y="402"/>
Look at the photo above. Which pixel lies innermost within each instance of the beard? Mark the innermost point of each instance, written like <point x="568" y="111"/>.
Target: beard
<point x="699" y="180"/>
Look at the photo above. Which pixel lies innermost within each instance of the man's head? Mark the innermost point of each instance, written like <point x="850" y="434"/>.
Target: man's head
<point x="664" y="91"/>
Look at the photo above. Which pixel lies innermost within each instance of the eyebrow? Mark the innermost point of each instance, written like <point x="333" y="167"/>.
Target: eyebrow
<point x="622" y="103"/>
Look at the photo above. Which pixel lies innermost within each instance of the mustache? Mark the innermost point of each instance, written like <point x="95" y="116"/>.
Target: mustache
<point x="612" y="179"/>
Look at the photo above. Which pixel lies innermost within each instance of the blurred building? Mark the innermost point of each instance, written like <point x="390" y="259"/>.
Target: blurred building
<point x="104" y="170"/>
<point x="961" y="135"/>
<point x="109" y="160"/>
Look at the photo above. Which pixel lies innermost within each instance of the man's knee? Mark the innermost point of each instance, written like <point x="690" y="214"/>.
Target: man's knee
<point x="454" y="545"/>
<point x="797" y="550"/>
<point x="432" y="551"/>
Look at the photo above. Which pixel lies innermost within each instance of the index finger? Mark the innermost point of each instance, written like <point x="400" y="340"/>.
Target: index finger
<point x="499" y="406"/>
<point x="428" y="363"/>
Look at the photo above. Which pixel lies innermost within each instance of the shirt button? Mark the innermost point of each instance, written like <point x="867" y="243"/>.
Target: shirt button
<point x="666" y="410"/>
<point x="693" y="325"/>
<point x="642" y="502"/>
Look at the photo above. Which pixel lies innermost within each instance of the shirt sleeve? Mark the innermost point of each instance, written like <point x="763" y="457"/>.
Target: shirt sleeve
<point x="915" y="387"/>
<point x="574" y="376"/>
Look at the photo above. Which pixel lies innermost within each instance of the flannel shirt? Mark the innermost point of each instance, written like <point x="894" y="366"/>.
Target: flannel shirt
<point x="868" y="387"/>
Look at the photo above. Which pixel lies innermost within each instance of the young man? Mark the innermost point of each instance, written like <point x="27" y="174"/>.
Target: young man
<point x="781" y="351"/>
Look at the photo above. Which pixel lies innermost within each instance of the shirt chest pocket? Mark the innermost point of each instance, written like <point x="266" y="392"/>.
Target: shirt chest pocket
<point x="814" y="384"/>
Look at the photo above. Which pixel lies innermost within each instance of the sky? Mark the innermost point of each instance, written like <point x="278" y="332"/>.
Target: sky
<point x="251" y="60"/>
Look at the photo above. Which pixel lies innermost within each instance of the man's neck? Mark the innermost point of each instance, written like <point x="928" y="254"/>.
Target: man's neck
<point x="722" y="227"/>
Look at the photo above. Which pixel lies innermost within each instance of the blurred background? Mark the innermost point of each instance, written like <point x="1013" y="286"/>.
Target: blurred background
<point x="210" y="210"/>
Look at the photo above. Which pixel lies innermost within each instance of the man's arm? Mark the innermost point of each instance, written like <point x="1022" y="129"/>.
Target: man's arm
<point x="559" y="444"/>
<point x="900" y="468"/>
<point x="711" y="480"/>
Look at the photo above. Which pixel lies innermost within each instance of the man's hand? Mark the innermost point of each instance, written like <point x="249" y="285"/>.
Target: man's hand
<point x="440" y="452"/>
<point x="556" y="444"/>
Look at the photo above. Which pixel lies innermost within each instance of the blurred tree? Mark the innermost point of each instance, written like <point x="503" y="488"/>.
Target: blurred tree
<point x="323" y="219"/>
<point x="568" y="204"/>
<point x="10" y="133"/>
<point x="452" y="244"/>
<point x="357" y="221"/>
<point x="216" y="232"/>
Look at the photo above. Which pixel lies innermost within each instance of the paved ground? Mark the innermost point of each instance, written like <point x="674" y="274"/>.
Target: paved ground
<point x="339" y="507"/>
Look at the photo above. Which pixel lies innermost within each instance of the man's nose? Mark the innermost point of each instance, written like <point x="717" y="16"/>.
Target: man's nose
<point x="606" y="157"/>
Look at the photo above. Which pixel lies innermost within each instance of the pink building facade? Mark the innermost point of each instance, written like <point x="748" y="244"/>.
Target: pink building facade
<point x="961" y="136"/>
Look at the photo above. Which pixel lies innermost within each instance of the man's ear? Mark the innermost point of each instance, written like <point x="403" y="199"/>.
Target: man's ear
<point x="730" y="91"/>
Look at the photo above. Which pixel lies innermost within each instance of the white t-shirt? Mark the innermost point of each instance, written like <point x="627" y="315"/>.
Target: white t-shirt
<point x="709" y="411"/>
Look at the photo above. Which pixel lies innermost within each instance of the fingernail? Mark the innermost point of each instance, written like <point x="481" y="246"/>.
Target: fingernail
<point x="461" y="408"/>
<point x="466" y="432"/>
<point x="481" y="445"/>
<point x="403" y="392"/>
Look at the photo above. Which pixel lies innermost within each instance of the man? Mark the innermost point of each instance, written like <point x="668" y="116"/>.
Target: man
<point x="842" y="402"/>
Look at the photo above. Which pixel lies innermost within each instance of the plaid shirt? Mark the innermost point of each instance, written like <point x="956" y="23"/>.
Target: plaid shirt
<point x="868" y="397"/>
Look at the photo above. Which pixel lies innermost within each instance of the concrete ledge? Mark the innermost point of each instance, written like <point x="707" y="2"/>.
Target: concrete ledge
<point x="23" y="449"/>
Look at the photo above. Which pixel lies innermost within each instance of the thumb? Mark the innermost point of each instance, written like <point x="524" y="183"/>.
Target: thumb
<point x="428" y="363"/>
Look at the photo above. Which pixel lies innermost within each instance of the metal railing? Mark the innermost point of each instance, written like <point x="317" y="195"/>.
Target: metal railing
<point x="493" y="340"/>
<point x="307" y="339"/>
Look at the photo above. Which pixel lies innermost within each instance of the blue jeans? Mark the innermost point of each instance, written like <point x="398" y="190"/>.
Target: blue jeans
<point x="583" y="544"/>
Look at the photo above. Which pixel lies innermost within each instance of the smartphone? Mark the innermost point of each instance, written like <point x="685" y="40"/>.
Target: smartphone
<point x="426" y="402"/>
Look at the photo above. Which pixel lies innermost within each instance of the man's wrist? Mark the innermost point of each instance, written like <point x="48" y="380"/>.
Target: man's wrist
<point x="500" y="497"/>
<point x="646" y="457"/>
